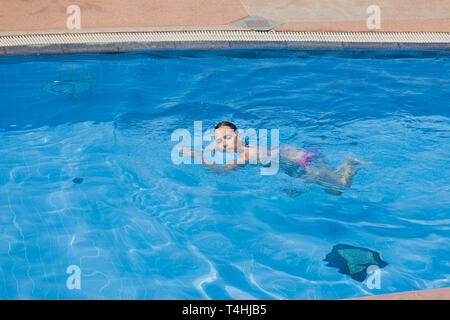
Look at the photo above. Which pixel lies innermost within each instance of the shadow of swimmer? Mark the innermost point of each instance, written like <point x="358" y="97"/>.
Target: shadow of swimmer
<point x="74" y="280"/>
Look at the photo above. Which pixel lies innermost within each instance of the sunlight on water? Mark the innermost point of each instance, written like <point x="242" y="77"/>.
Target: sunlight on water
<point x="86" y="176"/>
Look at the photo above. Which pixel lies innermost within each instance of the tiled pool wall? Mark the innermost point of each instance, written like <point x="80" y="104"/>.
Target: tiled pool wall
<point x="172" y="45"/>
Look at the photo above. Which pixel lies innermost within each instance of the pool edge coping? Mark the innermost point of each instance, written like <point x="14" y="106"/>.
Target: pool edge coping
<point x="32" y="43"/>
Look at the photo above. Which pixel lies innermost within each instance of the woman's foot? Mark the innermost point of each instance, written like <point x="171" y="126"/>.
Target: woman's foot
<point x="351" y="163"/>
<point x="347" y="171"/>
<point x="347" y="178"/>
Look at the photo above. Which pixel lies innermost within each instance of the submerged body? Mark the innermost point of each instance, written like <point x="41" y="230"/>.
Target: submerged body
<point x="317" y="169"/>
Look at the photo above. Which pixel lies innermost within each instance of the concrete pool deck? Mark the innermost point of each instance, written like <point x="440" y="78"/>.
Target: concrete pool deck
<point x="286" y="15"/>
<point x="20" y="17"/>
<point x="431" y="294"/>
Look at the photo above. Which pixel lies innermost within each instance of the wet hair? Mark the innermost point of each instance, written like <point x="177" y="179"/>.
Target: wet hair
<point x="231" y="126"/>
<point x="226" y="124"/>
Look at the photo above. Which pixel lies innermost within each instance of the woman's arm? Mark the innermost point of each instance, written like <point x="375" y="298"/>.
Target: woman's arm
<point x="225" y="167"/>
<point x="187" y="152"/>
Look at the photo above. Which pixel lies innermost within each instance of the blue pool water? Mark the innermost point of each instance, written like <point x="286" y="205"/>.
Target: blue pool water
<point x="86" y="177"/>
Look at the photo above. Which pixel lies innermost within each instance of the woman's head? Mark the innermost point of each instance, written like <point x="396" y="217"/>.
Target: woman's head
<point x="227" y="137"/>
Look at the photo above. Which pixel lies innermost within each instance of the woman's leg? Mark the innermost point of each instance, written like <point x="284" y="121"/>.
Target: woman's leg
<point x="318" y="171"/>
<point x="342" y="176"/>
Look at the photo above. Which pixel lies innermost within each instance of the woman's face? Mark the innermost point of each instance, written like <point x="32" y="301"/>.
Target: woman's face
<point x="226" y="139"/>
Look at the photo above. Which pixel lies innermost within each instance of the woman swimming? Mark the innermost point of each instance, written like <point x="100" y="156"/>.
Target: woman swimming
<point x="227" y="139"/>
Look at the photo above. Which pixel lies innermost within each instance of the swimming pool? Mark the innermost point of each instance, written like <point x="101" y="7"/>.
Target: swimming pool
<point x="140" y="227"/>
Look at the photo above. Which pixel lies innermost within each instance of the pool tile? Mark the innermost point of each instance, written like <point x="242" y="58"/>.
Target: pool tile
<point x="202" y="45"/>
<point x="138" y="46"/>
<point x="131" y="46"/>
<point x="427" y="46"/>
<point x="370" y="45"/>
<point x="258" y="44"/>
<point x="88" y="47"/>
<point x="314" y="45"/>
<point x="35" y="49"/>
